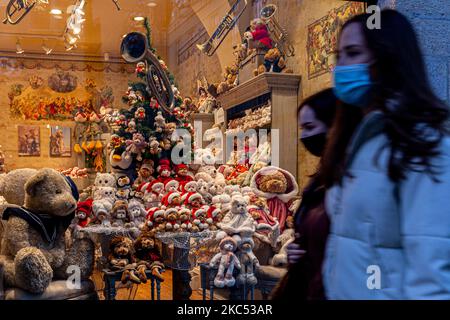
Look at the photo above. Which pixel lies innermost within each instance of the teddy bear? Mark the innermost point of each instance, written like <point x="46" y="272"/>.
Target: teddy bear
<point x="283" y="241"/>
<point x="137" y="212"/>
<point x="155" y="219"/>
<point x="147" y="255"/>
<point x="104" y="180"/>
<point x="153" y="194"/>
<point x="154" y="146"/>
<point x="104" y="199"/>
<point x="136" y="146"/>
<point x="249" y="263"/>
<point x="120" y="259"/>
<point x="203" y="189"/>
<point x="123" y="187"/>
<point x="279" y="187"/>
<point x="227" y="261"/>
<point x="11" y="186"/>
<point x="260" y="34"/>
<point x="274" y="62"/>
<point x="171" y="218"/>
<point x="83" y="214"/>
<point x="145" y="173"/>
<point x="237" y="223"/>
<point x="120" y="215"/>
<point x="206" y="173"/>
<point x="160" y="122"/>
<point x="184" y="216"/>
<point x="34" y="250"/>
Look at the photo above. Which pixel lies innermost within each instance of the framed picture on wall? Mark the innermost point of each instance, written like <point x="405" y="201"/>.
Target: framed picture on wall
<point x="29" y="141"/>
<point x="60" y="142"/>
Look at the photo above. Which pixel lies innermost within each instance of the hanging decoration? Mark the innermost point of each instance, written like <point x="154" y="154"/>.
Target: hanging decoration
<point x="74" y="24"/>
<point x="16" y="10"/>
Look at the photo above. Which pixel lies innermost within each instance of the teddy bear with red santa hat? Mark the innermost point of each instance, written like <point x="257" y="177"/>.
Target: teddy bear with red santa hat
<point x="153" y="193"/>
<point x="260" y="34"/>
<point x="155" y="219"/>
<point x="171" y="185"/>
<point x="83" y="214"/>
<point x="182" y="173"/>
<point x="164" y="171"/>
<point x="171" y="200"/>
<point x="171" y="217"/>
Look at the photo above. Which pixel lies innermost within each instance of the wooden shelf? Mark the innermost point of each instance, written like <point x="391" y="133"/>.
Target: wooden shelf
<point x="258" y="86"/>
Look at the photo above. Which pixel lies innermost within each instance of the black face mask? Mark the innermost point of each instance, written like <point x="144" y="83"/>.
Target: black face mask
<point x="315" y="144"/>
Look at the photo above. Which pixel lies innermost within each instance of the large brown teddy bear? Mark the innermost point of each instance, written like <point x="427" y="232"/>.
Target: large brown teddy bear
<point x="34" y="250"/>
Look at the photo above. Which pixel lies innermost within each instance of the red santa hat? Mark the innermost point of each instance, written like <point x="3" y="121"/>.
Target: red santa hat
<point x="200" y="211"/>
<point x="168" y="198"/>
<point x="86" y="207"/>
<point x="192" y="196"/>
<point x="170" y="210"/>
<point x="153" y="184"/>
<point x="188" y="184"/>
<point x="171" y="183"/>
<point x="164" y="164"/>
<point x="213" y="212"/>
<point x="179" y="167"/>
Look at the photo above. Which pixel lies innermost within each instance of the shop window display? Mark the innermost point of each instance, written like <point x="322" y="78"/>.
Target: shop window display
<point x="153" y="145"/>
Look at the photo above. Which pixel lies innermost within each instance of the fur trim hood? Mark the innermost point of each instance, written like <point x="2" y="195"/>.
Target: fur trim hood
<point x="292" y="186"/>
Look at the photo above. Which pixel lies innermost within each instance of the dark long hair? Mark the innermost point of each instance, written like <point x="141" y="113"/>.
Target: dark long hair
<point x="403" y="92"/>
<point x="324" y="104"/>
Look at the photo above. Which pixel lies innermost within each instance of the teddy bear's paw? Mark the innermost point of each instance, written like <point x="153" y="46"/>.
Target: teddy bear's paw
<point x="32" y="271"/>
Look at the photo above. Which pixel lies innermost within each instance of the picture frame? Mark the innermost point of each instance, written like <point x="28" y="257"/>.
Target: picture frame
<point x="60" y="142"/>
<point x="29" y="141"/>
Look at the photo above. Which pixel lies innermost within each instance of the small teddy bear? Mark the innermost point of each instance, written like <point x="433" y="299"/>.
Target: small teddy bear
<point x="104" y="199"/>
<point x="148" y="255"/>
<point x="120" y="215"/>
<point x="121" y="259"/>
<point x="227" y="261"/>
<point x="137" y="212"/>
<point x="136" y="146"/>
<point x="160" y="122"/>
<point x="249" y="263"/>
<point x="184" y="216"/>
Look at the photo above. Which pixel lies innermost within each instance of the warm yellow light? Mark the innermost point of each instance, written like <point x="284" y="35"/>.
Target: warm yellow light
<point x="152" y="4"/>
<point x="56" y="11"/>
<point x="138" y="18"/>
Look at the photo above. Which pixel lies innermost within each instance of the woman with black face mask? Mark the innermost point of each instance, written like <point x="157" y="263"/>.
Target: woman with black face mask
<point x="304" y="278"/>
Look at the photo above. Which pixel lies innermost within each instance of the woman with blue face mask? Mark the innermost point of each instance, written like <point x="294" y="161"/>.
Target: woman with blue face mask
<point x="303" y="280"/>
<point x="386" y="169"/>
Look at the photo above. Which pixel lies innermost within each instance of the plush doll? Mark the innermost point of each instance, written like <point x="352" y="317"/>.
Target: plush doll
<point x="148" y="256"/>
<point x="145" y="173"/>
<point x="184" y="216"/>
<point x="164" y="171"/>
<point x="155" y="219"/>
<point x="160" y="122"/>
<point x="169" y="129"/>
<point x="237" y="223"/>
<point x="123" y="188"/>
<point x="260" y="212"/>
<point x="104" y="199"/>
<point x="34" y="250"/>
<point x="140" y="114"/>
<point x="171" y="185"/>
<point x="194" y="201"/>
<point x="153" y="194"/>
<point x="137" y="212"/>
<point x="104" y="180"/>
<point x="188" y="187"/>
<point x="83" y="213"/>
<point x="136" y="146"/>
<point x="120" y="215"/>
<point x="279" y="187"/>
<point x="249" y="263"/>
<point x="200" y="219"/>
<point x="215" y="214"/>
<point x="154" y="146"/>
<point x="259" y="34"/>
<point x="171" y="217"/>
<point x="171" y="200"/>
<point x="182" y="174"/>
<point x="203" y="189"/>
<point x="121" y="259"/>
<point x="283" y="241"/>
<point x="227" y="261"/>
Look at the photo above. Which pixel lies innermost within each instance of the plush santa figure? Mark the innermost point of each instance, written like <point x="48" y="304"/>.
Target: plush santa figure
<point x="83" y="213"/>
<point x="182" y="173"/>
<point x="164" y="171"/>
<point x="171" y="185"/>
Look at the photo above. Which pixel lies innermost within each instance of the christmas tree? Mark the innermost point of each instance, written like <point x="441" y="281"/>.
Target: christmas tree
<point x="143" y="134"/>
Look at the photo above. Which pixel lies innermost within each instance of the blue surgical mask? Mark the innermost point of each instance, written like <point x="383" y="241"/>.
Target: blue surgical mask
<point x="352" y="84"/>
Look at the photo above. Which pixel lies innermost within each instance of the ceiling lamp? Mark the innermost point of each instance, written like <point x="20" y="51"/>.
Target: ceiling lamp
<point x="19" y="49"/>
<point x="56" y="12"/>
<point x="151" y="4"/>
<point x="46" y="49"/>
<point x="138" y="18"/>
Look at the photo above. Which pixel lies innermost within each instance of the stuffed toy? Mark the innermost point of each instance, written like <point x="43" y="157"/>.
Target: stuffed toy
<point x="237" y="223"/>
<point x="121" y="259"/>
<point x="249" y="263"/>
<point x="123" y="188"/>
<point x="155" y="219"/>
<point x="153" y="194"/>
<point x="160" y="122"/>
<point x="184" y="216"/>
<point x="154" y="146"/>
<point x="279" y="187"/>
<point x="104" y="199"/>
<point x="203" y="189"/>
<point x="260" y="212"/>
<point x="136" y="146"/>
<point x="260" y="34"/>
<point x="182" y="174"/>
<point x="104" y="180"/>
<point x="200" y="219"/>
<point x="222" y="202"/>
<point x="169" y="129"/>
<point x="227" y="261"/>
<point x="283" y="241"/>
<point x="275" y="62"/>
<point x="171" y="217"/>
<point x="83" y="213"/>
<point x="145" y="173"/>
<point x="137" y="212"/>
<point x="171" y="185"/>
<point x="194" y="201"/>
<point x="164" y="171"/>
<point x="189" y="187"/>
<point x="120" y="215"/>
<point x="215" y="214"/>
<point x="148" y="255"/>
<point x="171" y="200"/>
<point x="34" y="250"/>
<point x="11" y="185"/>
